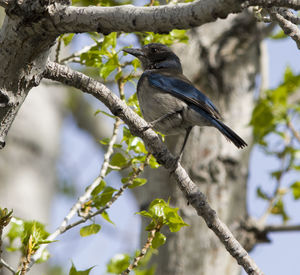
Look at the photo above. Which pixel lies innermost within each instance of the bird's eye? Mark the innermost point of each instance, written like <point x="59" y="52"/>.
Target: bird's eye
<point x="154" y="50"/>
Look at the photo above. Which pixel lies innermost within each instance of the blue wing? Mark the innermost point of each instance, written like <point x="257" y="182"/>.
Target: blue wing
<point x="181" y="87"/>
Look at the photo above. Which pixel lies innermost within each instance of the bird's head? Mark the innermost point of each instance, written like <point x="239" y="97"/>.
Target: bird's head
<point x="156" y="56"/>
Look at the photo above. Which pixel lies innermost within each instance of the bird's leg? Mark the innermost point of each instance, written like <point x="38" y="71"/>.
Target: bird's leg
<point x="154" y="122"/>
<point x="188" y="131"/>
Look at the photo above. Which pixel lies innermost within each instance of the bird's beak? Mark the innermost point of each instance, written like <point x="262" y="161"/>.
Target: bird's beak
<point x="135" y="52"/>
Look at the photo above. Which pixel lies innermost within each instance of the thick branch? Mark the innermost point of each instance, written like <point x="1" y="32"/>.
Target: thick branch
<point x="130" y="18"/>
<point x="136" y="125"/>
<point x="287" y="14"/>
<point x="287" y="26"/>
<point x="293" y="4"/>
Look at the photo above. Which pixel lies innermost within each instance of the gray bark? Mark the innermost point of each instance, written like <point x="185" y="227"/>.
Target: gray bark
<point x="222" y="59"/>
<point x="28" y="163"/>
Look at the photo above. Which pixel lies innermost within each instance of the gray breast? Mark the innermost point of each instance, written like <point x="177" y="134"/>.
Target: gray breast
<point x="155" y="103"/>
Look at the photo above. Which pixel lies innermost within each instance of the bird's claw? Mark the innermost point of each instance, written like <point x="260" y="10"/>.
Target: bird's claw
<point x="149" y="126"/>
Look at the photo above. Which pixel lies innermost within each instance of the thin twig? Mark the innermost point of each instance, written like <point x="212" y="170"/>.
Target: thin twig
<point x="6" y="265"/>
<point x="72" y="57"/>
<point x="281" y="228"/>
<point x="274" y="197"/>
<point x="136" y="173"/>
<point x="57" y="51"/>
<point x="26" y="259"/>
<point x="85" y="196"/>
<point x="294" y="131"/>
<point x="144" y="249"/>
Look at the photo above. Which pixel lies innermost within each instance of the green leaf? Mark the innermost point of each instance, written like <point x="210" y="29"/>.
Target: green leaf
<point x="296" y="167"/>
<point x="175" y="36"/>
<point x="153" y="163"/>
<point x="261" y="194"/>
<point x="118" y="263"/>
<point x="276" y="174"/>
<point x="110" y="40"/>
<point x="99" y="188"/>
<point x="137" y="182"/>
<point x="73" y="271"/>
<point x="90" y="229"/>
<point x="279" y="209"/>
<point x="136" y="64"/>
<point x="105" y="141"/>
<point x="35" y="231"/>
<point x="158" y="240"/>
<point x="104" y="197"/>
<point x="161" y="213"/>
<point x="145" y="214"/>
<point x="118" y="160"/>
<point x="296" y="189"/>
<point x="173" y="220"/>
<point x="67" y="38"/>
<point x="105" y="216"/>
<point x="107" y="68"/>
<point x="262" y="120"/>
<point x="279" y="35"/>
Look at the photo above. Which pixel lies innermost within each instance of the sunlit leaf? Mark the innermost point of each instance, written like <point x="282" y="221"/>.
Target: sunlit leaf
<point x="118" y="263"/>
<point x="158" y="240"/>
<point x="74" y="271"/>
<point x="89" y="230"/>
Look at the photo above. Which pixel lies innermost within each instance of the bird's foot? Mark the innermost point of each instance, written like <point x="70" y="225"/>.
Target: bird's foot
<point x="149" y="126"/>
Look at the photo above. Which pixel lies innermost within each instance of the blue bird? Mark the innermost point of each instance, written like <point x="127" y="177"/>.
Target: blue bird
<point x="169" y="101"/>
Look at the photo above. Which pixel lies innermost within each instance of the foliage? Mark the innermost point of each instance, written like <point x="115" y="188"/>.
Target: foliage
<point x="31" y="233"/>
<point x="275" y="115"/>
<point x="161" y="214"/>
<point x="74" y="271"/>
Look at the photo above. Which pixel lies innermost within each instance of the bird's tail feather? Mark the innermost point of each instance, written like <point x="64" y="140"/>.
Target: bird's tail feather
<point x="230" y="134"/>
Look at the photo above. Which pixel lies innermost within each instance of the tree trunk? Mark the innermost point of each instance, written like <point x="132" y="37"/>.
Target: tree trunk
<point x="222" y="60"/>
<point x="28" y="162"/>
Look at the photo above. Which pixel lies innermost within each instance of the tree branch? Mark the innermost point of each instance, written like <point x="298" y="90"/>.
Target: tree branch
<point x="293" y="4"/>
<point x="281" y="228"/>
<point x="86" y="196"/>
<point x="136" y="125"/>
<point x="144" y="250"/>
<point x="287" y="26"/>
<point x="129" y="18"/>
<point x="113" y="199"/>
<point x="288" y="15"/>
<point x="294" y="131"/>
<point x="5" y="264"/>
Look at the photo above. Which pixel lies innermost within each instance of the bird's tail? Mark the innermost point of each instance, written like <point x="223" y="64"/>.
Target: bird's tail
<point x="230" y="134"/>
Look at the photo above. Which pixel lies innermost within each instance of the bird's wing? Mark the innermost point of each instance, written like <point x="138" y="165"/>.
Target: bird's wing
<point x="179" y="86"/>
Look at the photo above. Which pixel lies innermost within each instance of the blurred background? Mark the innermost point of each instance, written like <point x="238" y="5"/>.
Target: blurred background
<point x="53" y="154"/>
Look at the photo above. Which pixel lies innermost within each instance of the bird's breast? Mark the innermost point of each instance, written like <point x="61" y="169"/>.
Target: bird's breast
<point x="155" y="103"/>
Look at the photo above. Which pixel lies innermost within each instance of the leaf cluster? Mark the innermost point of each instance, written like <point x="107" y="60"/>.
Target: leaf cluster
<point x="273" y="116"/>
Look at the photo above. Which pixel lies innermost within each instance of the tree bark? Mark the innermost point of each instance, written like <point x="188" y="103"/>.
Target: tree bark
<point x="222" y="59"/>
<point x="28" y="164"/>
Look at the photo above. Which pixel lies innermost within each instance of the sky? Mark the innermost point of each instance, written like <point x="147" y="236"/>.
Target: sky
<point x="279" y="257"/>
<point x="282" y="255"/>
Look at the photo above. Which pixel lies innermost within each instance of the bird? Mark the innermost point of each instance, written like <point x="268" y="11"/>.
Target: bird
<point x="169" y="102"/>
